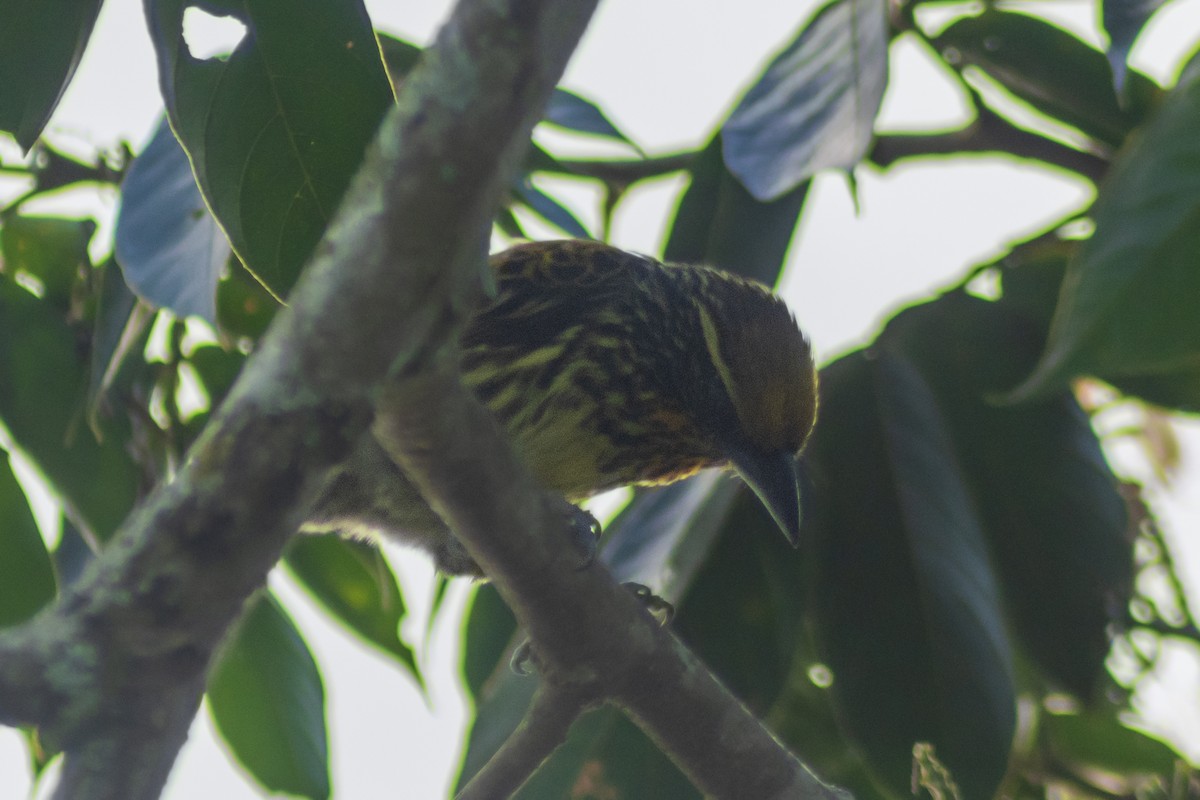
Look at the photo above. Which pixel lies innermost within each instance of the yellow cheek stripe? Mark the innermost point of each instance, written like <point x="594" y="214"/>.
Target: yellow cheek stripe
<point x="712" y="342"/>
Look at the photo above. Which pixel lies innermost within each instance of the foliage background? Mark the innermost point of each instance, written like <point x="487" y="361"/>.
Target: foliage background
<point x="848" y="271"/>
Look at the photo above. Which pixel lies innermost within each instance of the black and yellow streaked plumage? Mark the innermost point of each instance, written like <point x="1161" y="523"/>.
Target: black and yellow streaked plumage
<point x="608" y="369"/>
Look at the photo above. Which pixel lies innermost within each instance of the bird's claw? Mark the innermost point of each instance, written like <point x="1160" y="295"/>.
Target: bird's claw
<point x="659" y="608"/>
<point x="523" y="656"/>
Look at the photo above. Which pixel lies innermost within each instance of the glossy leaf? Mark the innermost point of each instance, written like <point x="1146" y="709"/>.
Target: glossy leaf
<point x="26" y="575"/>
<point x="814" y="107"/>
<point x="718" y="222"/>
<point x="40" y="47"/>
<point x="1052" y="70"/>
<point x="43" y="394"/>
<point x="170" y="248"/>
<point x="1049" y="503"/>
<point x="354" y="583"/>
<point x="53" y="250"/>
<point x="267" y="701"/>
<point x="1123" y="20"/>
<point x="904" y="600"/>
<point x="1127" y="308"/>
<point x="275" y="131"/>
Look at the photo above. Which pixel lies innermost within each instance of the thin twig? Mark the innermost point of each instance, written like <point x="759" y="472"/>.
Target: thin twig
<point x="541" y="732"/>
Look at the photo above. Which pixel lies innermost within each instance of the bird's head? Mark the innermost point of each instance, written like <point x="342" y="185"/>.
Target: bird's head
<point x="766" y="371"/>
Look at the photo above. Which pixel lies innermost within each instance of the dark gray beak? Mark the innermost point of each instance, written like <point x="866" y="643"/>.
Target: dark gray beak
<point x="774" y="479"/>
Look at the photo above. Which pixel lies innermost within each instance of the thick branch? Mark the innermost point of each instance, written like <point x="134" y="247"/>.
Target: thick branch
<point x="114" y="672"/>
<point x="590" y="635"/>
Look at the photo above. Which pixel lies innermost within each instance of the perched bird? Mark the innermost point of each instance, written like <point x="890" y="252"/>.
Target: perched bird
<point x="608" y="369"/>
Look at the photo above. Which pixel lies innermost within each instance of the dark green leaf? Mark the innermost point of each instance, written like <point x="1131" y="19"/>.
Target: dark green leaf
<point x="665" y="534"/>
<point x="267" y="701"/>
<point x="43" y="390"/>
<point x="814" y="107"/>
<point x="718" y="222"/>
<point x="244" y="306"/>
<point x="275" y="131"/>
<point x="744" y="611"/>
<point x="1049" y="503"/>
<point x="490" y="629"/>
<point x="353" y="581"/>
<point x="170" y="248"/>
<point x="1100" y="742"/>
<point x="51" y="249"/>
<point x="1128" y="306"/>
<point x="550" y="210"/>
<point x="40" y="46"/>
<point x="121" y="321"/>
<point x="399" y="57"/>
<point x="569" y="110"/>
<point x="1050" y="69"/>
<point x="1123" y="20"/>
<point x="905" y="604"/>
<point x="26" y="576"/>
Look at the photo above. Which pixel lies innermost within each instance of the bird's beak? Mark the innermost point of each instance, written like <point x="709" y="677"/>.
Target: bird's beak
<point x="774" y="478"/>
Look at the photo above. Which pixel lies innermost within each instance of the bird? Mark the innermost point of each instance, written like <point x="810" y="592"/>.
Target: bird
<point x="607" y="368"/>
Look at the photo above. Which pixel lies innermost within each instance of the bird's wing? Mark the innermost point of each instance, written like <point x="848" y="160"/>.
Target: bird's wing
<point x="546" y="288"/>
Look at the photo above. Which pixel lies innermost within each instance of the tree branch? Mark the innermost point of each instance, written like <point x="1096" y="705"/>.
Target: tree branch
<point x="114" y="671"/>
<point x="990" y="132"/>
<point x="544" y="728"/>
<point x="591" y="637"/>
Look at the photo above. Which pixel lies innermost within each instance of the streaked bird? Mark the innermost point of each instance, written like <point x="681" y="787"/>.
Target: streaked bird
<point x="608" y="369"/>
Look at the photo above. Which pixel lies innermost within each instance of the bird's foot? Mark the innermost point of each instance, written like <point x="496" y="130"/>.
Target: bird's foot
<point x="523" y="658"/>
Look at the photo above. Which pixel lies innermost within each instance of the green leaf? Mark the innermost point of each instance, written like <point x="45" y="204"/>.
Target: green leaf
<point x="169" y="246"/>
<point x="244" y="306"/>
<point x="119" y="334"/>
<point x="1099" y="741"/>
<point x="268" y="703"/>
<point x="354" y="583"/>
<point x="275" y="131"/>
<point x="1052" y="70"/>
<point x="905" y="604"/>
<point x="550" y="209"/>
<point x="40" y="46"/>
<point x="814" y="107"/>
<point x="719" y="223"/>
<point x="743" y="613"/>
<point x="490" y="629"/>
<point x="1049" y="502"/>
<point x="568" y="110"/>
<point x="26" y="575"/>
<point x="43" y="391"/>
<point x="665" y="534"/>
<point x="52" y="250"/>
<point x="1128" y="302"/>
